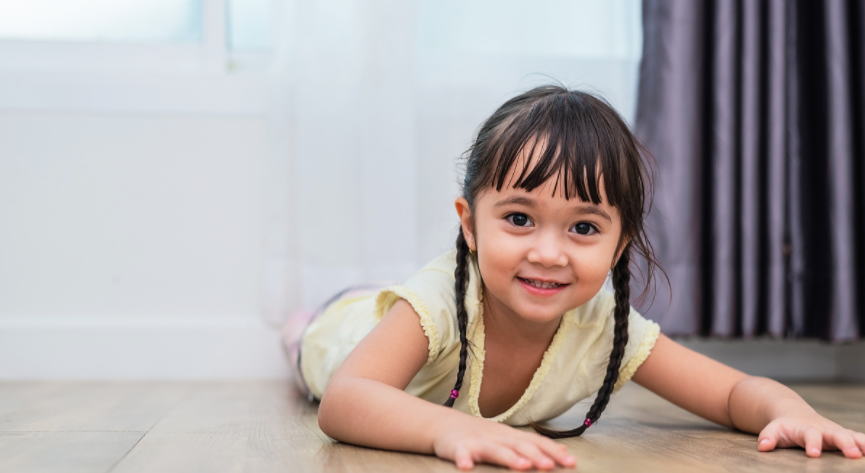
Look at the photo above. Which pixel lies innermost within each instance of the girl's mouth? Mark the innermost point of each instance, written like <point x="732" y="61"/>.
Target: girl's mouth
<point x="542" y="287"/>
<point x="540" y="284"/>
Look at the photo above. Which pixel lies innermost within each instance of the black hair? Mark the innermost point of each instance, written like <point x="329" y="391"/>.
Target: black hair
<point x="577" y="139"/>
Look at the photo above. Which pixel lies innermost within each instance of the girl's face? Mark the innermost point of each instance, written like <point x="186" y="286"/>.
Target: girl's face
<point x="540" y="255"/>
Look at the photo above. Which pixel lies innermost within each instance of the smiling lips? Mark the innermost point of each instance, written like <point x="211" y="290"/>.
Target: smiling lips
<point x="544" y="287"/>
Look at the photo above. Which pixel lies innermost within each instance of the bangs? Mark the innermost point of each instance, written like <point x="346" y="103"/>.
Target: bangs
<point x="566" y="138"/>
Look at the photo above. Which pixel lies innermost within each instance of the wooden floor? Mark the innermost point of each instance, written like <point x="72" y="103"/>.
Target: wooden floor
<point x="265" y="427"/>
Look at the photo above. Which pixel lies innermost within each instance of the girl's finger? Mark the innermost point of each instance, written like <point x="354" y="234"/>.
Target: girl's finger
<point x="768" y="439"/>
<point x="843" y="440"/>
<point x="558" y="452"/>
<point x="859" y="437"/>
<point x="533" y="453"/>
<point x="463" y="458"/>
<point x="505" y="456"/>
<point x="813" y="441"/>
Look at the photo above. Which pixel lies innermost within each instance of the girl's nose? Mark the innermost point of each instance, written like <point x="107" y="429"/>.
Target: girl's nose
<point x="547" y="251"/>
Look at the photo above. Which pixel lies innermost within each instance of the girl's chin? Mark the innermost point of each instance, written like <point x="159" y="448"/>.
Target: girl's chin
<point x="541" y="315"/>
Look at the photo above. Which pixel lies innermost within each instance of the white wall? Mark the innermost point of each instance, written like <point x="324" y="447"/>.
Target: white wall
<point x="128" y="217"/>
<point x="124" y="234"/>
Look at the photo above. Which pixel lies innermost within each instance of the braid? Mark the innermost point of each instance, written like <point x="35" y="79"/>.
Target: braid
<point x="462" y="279"/>
<point x="621" y="284"/>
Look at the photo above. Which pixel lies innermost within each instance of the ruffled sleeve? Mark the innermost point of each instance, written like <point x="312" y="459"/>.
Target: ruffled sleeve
<point x="431" y="294"/>
<point x="595" y="329"/>
<point x="642" y="335"/>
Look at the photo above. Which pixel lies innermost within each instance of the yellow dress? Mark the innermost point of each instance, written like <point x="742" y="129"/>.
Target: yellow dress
<point x="571" y="370"/>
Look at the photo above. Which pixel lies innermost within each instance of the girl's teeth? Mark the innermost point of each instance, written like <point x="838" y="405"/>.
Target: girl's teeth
<point x="542" y="285"/>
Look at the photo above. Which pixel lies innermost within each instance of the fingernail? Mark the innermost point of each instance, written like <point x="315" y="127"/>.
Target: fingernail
<point x="763" y="442"/>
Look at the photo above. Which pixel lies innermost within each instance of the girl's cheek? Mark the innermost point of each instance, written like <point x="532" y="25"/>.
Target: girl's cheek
<point x="592" y="265"/>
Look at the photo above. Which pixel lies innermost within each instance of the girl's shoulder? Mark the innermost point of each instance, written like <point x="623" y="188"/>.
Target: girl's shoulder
<point x="431" y="293"/>
<point x="435" y="281"/>
<point x="597" y="310"/>
<point x="441" y="267"/>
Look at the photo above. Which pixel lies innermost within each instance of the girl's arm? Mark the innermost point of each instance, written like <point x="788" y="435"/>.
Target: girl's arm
<point x="365" y="404"/>
<point x="729" y="397"/>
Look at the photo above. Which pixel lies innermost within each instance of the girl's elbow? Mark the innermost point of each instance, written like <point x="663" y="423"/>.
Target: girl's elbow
<point x="325" y="425"/>
<point x="325" y="417"/>
<point x="328" y="412"/>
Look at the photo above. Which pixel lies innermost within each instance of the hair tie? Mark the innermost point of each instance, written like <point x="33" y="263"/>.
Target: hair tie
<point x="454" y="394"/>
<point x="587" y="422"/>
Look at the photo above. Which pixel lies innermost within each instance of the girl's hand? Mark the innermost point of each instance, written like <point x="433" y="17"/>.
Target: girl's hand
<point x="814" y="433"/>
<point x="479" y="440"/>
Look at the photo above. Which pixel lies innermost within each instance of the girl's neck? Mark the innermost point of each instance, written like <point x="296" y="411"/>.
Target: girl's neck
<point x="502" y="323"/>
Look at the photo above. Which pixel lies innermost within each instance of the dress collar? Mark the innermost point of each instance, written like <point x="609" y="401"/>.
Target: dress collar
<point x="475" y="335"/>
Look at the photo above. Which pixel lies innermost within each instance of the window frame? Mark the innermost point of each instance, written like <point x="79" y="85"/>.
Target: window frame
<point x="182" y="77"/>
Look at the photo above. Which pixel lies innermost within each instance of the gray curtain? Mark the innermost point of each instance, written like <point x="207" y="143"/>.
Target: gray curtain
<point x="755" y="113"/>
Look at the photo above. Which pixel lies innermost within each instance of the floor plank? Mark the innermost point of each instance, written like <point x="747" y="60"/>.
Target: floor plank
<point x="64" y="452"/>
<point x="251" y="426"/>
<point x="643" y="431"/>
<point x="85" y="406"/>
<point x="266" y="427"/>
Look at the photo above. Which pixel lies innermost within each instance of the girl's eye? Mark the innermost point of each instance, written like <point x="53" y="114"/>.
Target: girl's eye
<point x="584" y="228"/>
<point x="519" y="220"/>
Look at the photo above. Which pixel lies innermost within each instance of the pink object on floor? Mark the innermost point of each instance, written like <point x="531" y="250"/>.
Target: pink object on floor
<point x="292" y="331"/>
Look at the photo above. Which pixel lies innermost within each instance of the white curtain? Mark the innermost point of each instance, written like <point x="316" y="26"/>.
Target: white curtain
<point x="374" y="102"/>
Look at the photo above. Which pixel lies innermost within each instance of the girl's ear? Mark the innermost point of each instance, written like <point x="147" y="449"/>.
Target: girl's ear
<point x="465" y="214"/>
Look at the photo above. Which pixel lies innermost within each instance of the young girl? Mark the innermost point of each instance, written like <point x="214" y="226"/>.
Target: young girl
<point x="515" y="326"/>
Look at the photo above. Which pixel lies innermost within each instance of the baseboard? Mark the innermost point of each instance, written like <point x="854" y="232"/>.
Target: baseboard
<point x="851" y="361"/>
<point x="793" y="360"/>
<point x="190" y="350"/>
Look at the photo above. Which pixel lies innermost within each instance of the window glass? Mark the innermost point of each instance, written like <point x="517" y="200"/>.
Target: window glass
<point x="249" y="25"/>
<point x="102" y="20"/>
<point x="565" y="28"/>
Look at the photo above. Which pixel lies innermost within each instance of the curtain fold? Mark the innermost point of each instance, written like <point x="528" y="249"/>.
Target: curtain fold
<point x="754" y="112"/>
